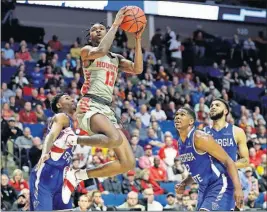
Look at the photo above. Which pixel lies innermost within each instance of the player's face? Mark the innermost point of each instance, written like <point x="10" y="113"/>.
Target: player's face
<point x="97" y="32"/>
<point x="217" y="110"/>
<point x="67" y="103"/>
<point x="182" y="119"/>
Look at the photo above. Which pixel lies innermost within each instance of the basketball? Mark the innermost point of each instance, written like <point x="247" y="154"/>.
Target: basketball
<point x="134" y="20"/>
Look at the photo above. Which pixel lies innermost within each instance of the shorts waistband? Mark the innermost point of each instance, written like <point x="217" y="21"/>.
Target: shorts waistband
<point x="98" y="99"/>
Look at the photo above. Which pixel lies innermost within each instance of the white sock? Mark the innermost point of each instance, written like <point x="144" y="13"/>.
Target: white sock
<point x="72" y="140"/>
<point x="82" y="174"/>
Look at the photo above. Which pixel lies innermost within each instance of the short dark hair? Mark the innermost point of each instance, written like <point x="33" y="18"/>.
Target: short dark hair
<point x="224" y="102"/>
<point x="54" y="102"/>
<point x="190" y="111"/>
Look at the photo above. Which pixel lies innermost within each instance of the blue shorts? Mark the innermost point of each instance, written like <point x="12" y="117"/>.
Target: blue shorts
<point x="45" y="189"/>
<point x="218" y="196"/>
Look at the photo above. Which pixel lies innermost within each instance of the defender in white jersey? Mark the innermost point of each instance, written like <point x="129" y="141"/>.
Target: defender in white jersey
<point x="94" y="111"/>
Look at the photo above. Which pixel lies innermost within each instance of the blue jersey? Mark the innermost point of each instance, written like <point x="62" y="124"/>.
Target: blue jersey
<point x="46" y="182"/>
<point x="225" y="138"/>
<point x="199" y="165"/>
<point x="66" y="158"/>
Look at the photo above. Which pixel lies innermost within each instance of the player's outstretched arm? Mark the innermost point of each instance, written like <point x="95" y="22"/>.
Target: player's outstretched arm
<point x="136" y="67"/>
<point x="241" y="140"/>
<point x="92" y="53"/>
<point x="59" y="122"/>
<point x="206" y="143"/>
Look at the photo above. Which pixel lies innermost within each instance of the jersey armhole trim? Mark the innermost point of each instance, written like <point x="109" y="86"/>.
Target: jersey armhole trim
<point x="233" y="127"/>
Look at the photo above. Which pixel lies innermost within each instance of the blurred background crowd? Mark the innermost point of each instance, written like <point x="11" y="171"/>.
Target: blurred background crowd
<point x="177" y="72"/>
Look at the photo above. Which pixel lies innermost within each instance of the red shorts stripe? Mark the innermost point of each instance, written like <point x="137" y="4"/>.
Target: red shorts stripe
<point x="57" y="149"/>
<point x="69" y="185"/>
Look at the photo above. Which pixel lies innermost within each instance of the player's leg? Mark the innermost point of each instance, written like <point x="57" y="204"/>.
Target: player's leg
<point x="219" y="197"/>
<point x="40" y="197"/>
<point x="105" y="134"/>
<point x="100" y="124"/>
<point x="125" y="161"/>
<point x="58" y="204"/>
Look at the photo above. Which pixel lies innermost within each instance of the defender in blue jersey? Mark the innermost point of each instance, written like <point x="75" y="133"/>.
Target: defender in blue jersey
<point x="230" y="137"/>
<point x="46" y="179"/>
<point x="218" y="186"/>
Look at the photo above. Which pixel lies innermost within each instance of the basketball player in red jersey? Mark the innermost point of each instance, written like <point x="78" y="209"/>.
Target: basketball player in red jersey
<point x="94" y="111"/>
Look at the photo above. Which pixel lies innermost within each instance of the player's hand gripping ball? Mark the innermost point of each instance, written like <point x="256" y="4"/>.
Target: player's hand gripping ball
<point x="134" y="19"/>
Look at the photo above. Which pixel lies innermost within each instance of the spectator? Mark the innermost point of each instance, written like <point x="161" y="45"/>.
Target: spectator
<point x="75" y="51"/>
<point x="17" y="61"/>
<point x="9" y="53"/>
<point x="49" y="54"/>
<point x="22" y="203"/>
<point x="132" y="202"/>
<point x="263" y="181"/>
<point x="253" y="182"/>
<point x="156" y="172"/>
<point x="4" y="61"/>
<point x="34" y="100"/>
<point x="141" y="129"/>
<point x="152" y="205"/>
<point x="170" y="113"/>
<point x="176" y="50"/>
<point x="34" y="54"/>
<point x="262" y="136"/>
<point x="27" y="116"/>
<point x="43" y="61"/>
<point x="19" y="98"/>
<point x="171" y="203"/>
<point x="112" y="185"/>
<point x="41" y="117"/>
<point x="201" y="101"/>
<point x="144" y="115"/>
<point x="7" y="113"/>
<point x="8" y="193"/>
<point x="253" y="157"/>
<point x="179" y="172"/>
<point x="251" y="203"/>
<point x="83" y="204"/>
<point x="147" y="160"/>
<point x="168" y="153"/>
<point x="24" y="143"/>
<point x="250" y="82"/>
<point x="153" y="140"/>
<point x="24" y="54"/>
<point x="249" y="48"/>
<point x="131" y="183"/>
<point x="17" y="181"/>
<point x="157" y="44"/>
<point x="55" y="43"/>
<point x="67" y="71"/>
<point x="199" y="45"/>
<point x="201" y="114"/>
<point x="121" y="38"/>
<point x="97" y="202"/>
<point x="186" y="206"/>
<point x="37" y="76"/>
<point x="14" y="132"/>
<point x="72" y="63"/>
<point x="83" y="153"/>
<point x="137" y="149"/>
<point x="21" y="80"/>
<point x="35" y="151"/>
<point x="159" y="113"/>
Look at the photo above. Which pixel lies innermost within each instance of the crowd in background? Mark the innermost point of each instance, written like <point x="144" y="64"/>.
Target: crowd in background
<point x="143" y="103"/>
